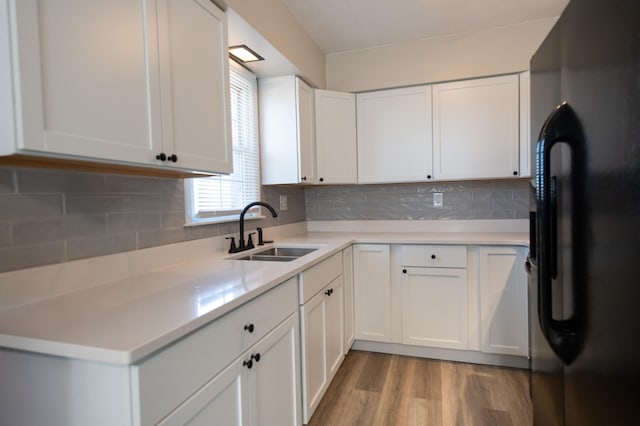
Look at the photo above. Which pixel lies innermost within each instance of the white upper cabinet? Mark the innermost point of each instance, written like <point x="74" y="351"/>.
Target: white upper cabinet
<point x="336" y="152"/>
<point x="525" y="124"/>
<point x="476" y="128"/>
<point x="286" y="130"/>
<point x="118" y="81"/>
<point x="395" y="135"/>
<point x="194" y="77"/>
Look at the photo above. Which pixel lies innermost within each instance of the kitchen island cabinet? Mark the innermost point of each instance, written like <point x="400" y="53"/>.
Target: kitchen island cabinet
<point x="154" y="100"/>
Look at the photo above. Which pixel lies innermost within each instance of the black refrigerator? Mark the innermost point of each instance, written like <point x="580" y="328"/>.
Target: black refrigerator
<point x="584" y="260"/>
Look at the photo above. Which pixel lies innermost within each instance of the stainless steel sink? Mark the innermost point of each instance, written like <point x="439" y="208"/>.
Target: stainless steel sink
<point x="278" y="254"/>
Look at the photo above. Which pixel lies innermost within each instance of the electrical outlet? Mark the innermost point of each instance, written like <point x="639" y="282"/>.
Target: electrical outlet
<point x="283" y="202"/>
<point x="438" y="199"/>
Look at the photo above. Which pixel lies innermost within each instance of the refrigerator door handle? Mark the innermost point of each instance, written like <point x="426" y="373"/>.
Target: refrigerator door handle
<point x="565" y="336"/>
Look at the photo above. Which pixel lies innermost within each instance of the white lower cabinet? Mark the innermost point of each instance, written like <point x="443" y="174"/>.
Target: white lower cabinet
<point x="434" y="296"/>
<point x="322" y="326"/>
<point x="259" y="387"/>
<point x="449" y="301"/>
<point x="242" y="368"/>
<point x="503" y="300"/>
<point x="349" y="320"/>
<point x="434" y="307"/>
<point x="372" y="292"/>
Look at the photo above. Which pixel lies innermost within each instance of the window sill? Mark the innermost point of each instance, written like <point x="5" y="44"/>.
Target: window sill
<point x="220" y="219"/>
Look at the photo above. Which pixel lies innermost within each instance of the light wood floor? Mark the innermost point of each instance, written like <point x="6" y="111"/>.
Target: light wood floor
<point x="380" y="389"/>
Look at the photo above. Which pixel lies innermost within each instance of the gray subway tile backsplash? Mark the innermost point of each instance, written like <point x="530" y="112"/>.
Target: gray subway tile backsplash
<point x="461" y="200"/>
<point x="83" y="248"/>
<point x="19" y="206"/>
<point x="52" y="216"/>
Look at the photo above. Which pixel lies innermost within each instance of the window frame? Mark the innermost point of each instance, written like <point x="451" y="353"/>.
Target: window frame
<point x="192" y="218"/>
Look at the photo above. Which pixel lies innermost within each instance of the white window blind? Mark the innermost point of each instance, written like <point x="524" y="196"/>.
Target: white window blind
<point x="223" y="197"/>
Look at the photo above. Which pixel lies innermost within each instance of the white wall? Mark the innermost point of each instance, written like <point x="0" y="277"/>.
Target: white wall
<point x="273" y="20"/>
<point x="481" y="53"/>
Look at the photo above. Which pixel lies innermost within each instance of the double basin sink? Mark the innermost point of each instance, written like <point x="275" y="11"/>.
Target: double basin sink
<point x="278" y="254"/>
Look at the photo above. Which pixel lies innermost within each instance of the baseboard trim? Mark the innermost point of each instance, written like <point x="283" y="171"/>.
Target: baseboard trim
<point x="473" y="357"/>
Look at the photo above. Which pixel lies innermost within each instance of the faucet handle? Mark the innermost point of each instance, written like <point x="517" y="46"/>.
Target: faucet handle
<point x="232" y="247"/>
<point x="250" y="241"/>
<point x="262" y="241"/>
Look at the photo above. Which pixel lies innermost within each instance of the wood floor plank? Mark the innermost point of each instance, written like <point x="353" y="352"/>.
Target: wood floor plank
<point x="374" y="372"/>
<point x="396" y="392"/>
<point x="380" y="389"/>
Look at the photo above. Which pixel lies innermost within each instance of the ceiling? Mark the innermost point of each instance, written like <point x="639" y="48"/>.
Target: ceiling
<point x="343" y="25"/>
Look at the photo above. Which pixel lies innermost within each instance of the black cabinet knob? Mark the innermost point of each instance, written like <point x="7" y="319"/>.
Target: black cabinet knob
<point x="162" y="156"/>
<point x="433" y="256"/>
<point x="256" y="357"/>
<point x="515" y="173"/>
<point x="249" y="328"/>
<point x="304" y="178"/>
<point x="173" y="158"/>
<point x="404" y="271"/>
<point x="321" y="179"/>
<point x="428" y="176"/>
<point x="248" y="363"/>
<point x="328" y="292"/>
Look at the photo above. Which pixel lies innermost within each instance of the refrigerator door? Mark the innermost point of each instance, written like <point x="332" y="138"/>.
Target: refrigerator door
<point x="595" y="265"/>
<point x="547" y="370"/>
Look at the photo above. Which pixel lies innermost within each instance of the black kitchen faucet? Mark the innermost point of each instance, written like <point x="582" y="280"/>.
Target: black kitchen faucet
<point x="242" y="246"/>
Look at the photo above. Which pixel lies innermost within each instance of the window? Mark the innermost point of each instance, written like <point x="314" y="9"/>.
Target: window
<point x="221" y="198"/>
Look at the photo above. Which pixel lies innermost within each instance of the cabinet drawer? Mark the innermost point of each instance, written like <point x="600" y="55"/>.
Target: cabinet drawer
<point x="315" y="278"/>
<point x="166" y="379"/>
<point x="434" y="256"/>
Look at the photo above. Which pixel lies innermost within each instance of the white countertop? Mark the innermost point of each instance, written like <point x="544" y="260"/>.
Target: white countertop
<point x="123" y="321"/>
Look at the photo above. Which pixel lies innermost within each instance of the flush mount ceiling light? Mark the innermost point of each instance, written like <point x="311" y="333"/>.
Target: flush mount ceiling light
<point x="244" y="54"/>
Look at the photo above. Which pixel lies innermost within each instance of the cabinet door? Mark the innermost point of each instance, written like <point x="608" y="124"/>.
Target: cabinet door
<point x="503" y="301"/>
<point x="305" y="119"/>
<point x="372" y="285"/>
<point x="87" y="81"/>
<point x="334" y="326"/>
<point x="314" y="348"/>
<point x="286" y="130"/>
<point x="194" y="72"/>
<point x="395" y="135"/>
<point x="476" y="128"/>
<point x="336" y="156"/>
<point x="434" y="307"/>
<point x="274" y="381"/>
<point x="525" y="124"/>
<point x="221" y="401"/>
<point x="347" y="275"/>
